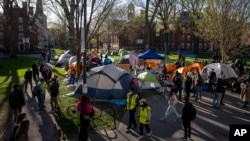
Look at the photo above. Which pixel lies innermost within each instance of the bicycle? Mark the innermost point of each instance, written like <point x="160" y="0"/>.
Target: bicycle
<point x="72" y="112"/>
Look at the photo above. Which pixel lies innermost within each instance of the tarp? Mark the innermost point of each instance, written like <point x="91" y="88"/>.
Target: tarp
<point x="220" y="68"/>
<point x="147" y="80"/>
<point x="150" y="54"/>
<point x="107" y="83"/>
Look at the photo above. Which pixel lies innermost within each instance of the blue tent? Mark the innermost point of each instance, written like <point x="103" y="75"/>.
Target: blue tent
<point x="150" y="54"/>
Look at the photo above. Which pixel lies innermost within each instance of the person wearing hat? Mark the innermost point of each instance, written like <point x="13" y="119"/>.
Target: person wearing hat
<point x="144" y="117"/>
<point x="131" y="105"/>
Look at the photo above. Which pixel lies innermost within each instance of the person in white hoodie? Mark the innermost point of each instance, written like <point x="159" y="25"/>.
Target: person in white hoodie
<point x="172" y="100"/>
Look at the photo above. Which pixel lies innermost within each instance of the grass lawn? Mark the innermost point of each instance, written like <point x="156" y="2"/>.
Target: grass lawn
<point x="11" y="71"/>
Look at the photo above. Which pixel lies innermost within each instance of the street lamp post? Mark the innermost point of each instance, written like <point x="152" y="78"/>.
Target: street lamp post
<point x="84" y="86"/>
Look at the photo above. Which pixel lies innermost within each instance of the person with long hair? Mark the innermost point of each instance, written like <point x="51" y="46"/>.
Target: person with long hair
<point x="85" y="108"/>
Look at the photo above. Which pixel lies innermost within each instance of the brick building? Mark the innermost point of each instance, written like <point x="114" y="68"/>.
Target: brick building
<point x="24" y="30"/>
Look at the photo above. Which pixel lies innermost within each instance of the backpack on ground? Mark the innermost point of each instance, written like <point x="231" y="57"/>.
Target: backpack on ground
<point x="36" y="91"/>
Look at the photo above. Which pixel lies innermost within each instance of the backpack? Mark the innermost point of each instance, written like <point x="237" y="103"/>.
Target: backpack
<point x="36" y="91"/>
<point x="15" y="99"/>
<point x="177" y="80"/>
<point x="193" y="112"/>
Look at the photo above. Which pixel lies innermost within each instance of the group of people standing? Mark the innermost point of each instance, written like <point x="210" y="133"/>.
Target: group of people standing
<point x="134" y="102"/>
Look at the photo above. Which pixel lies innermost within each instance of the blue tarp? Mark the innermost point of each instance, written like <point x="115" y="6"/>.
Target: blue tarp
<point x="150" y="54"/>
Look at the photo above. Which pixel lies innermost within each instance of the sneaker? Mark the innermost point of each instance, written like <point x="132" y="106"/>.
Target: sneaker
<point x="140" y="137"/>
<point x="150" y="133"/>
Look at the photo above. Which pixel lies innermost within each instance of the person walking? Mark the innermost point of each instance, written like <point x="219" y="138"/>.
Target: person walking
<point x="172" y="100"/>
<point x="85" y="108"/>
<point x="16" y="101"/>
<point x="54" y="91"/>
<point x="244" y="95"/>
<point x="28" y="79"/>
<point x="144" y="118"/>
<point x="198" y="82"/>
<point x="216" y="90"/>
<point x="72" y="76"/>
<point x="188" y="85"/>
<point x="186" y="118"/>
<point x="212" y="78"/>
<point x="41" y="97"/>
<point x="223" y="88"/>
<point x="35" y="71"/>
<point x="178" y="84"/>
<point x="131" y="105"/>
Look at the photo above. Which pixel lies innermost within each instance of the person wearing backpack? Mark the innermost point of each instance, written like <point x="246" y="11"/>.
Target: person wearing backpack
<point x="212" y="78"/>
<point x="178" y="84"/>
<point x="16" y="100"/>
<point x="41" y="97"/>
<point x="216" y="90"/>
<point x="187" y="116"/>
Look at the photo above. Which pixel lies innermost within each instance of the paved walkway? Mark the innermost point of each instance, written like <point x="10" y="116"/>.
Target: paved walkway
<point x="210" y="125"/>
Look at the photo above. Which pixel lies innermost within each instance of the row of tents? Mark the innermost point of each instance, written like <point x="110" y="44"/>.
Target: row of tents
<point x="110" y="82"/>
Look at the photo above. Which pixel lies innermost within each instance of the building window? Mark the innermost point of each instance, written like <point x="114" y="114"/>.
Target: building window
<point x="173" y="45"/>
<point x="205" y="46"/>
<point x="188" y="45"/>
<point x="182" y="45"/>
<point x="1" y="27"/>
<point x="20" y="19"/>
<point x="20" y="36"/>
<point x="20" y="28"/>
<point x="200" y="45"/>
<point x="173" y="37"/>
<point x="188" y="37"/>
<point x="182" y="37"/>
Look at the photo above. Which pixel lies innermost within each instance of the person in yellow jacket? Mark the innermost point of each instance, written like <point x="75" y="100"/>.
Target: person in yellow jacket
<point x="144" y="117"/>
<point x="131" y="105"/>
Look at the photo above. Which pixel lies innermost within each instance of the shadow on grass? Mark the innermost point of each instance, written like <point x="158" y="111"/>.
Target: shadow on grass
<point x="67" y="126"/>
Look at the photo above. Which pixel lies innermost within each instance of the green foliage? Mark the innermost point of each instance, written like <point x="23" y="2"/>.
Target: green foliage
<point x="12" y="71"/>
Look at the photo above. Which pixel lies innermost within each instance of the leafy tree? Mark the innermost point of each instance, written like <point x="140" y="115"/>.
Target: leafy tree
<point x="195" y="8"/>
<point x="223" y="23"/>
<point x="166" y="14"/>
<point x="150" y="8"/>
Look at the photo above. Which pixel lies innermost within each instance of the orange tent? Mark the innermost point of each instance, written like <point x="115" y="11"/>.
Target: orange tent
<point x="197" y="65"/>
<point x="184" y="70"/>
<point x="94" y="54"/>
<point x="170" y="67"/>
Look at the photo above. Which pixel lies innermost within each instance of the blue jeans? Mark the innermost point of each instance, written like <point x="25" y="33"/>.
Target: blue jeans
<point x="198" y="90"/>
<point x="216" y="99"/>
<point x="41" y="100"/>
